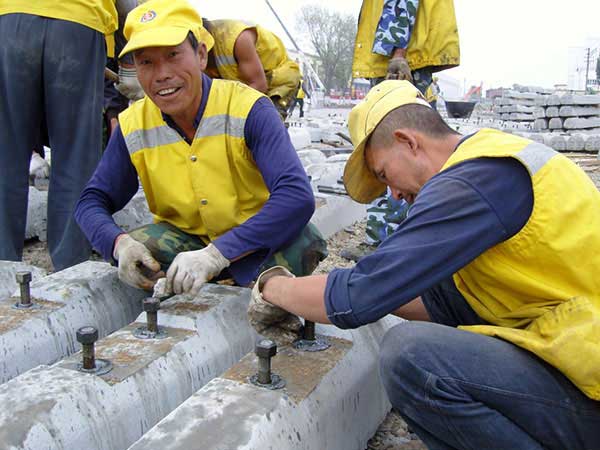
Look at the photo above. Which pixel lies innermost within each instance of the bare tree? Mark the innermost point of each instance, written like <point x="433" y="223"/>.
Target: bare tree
<point x="332" y="35"/>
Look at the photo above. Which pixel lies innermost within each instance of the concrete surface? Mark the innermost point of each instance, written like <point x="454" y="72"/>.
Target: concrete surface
<point x="36" y="214"/>
<point x="337" y="213"/>
<point x="87" y="294"/>
<point x="339" y="408"/>
<point x="58" y="408"/>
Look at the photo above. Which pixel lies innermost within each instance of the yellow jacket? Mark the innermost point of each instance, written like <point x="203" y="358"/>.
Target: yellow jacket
<point x="433" y="43"/>
<point x="283" y="74"/>
<point x="431" y="93"/>
<point x="540" y="289"/>
<point x="207" y="188"/>
<point x="100" y="15"/>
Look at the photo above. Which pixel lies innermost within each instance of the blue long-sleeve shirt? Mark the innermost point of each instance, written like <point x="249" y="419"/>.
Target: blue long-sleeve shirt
<point x="458" y="214"/>
<point x="280" y="220"/>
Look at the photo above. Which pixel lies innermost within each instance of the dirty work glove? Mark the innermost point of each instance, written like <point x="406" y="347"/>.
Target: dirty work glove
<point x="137" y="266"/>
<point x="38" y="166"/>
<point x="269" y="320"/>
<point x="398" y="69"/>
<point x="190" y="270"/>
<point x="128" y="84"/>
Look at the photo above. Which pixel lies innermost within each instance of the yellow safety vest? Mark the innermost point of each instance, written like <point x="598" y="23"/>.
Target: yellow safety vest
<point x="430" y="96"/>
<point x="300" y="95"/>
<point x="283" y="74"/>
<point x="206" y="188"/>
<point x="541" y="288"/>
<point x="100" y="15"/>
<point x="433" y="43"/>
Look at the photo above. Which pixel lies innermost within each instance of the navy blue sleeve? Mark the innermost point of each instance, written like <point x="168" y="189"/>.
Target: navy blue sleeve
<point x="459" y="214"/>
<point x="291" y="202"/>
<point x="113" y="184"/>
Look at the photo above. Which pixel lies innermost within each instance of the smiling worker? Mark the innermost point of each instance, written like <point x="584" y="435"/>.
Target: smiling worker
<point x="497" y="262"/>
<point x="220" y="174"/>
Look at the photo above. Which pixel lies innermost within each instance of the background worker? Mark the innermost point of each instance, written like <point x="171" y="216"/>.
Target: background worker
<point x="505" y="353"/>
<point x="432" y="93"/>
<point x="219" y="172"/>
<point x="61" y="83"/>
<point x="300" y="99"/>
<point x="400" y="40"/>
<point x="255" y="56"/>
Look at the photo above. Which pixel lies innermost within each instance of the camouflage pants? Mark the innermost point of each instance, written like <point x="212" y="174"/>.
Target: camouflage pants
<point x="422" y="78"/>
<point x="384" y="216"/>
<point x="165" y="241"/>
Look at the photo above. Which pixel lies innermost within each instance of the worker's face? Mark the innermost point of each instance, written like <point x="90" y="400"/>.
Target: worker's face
<point x="400" y="166"/>
<point x="172" y="77"/>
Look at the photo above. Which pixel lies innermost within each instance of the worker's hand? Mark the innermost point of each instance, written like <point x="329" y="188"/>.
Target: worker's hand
<point x="190" y="270"/>
<point x="38" y="166"/>
<point x="269" y="320"/>
<point x="137" y="266"/>
<point x="128" y="84"/>
<point x="398" y="69"/>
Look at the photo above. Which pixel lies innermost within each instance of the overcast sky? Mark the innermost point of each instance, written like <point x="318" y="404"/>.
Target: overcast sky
<point x="502" y="42"/>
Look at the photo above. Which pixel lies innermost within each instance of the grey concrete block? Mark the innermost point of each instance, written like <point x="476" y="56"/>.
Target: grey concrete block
<point x="540" y="124"/>
<point x="555" y="123"/>
<point x="537" y="137"/>
<point x="569" y="99"/>
<point x="576" y="123"/>
<point x="553" y="100"/>
<point x="135" y="213"/>
<point x="552" y="111"/>
<point x="87" y="294"/>
<point x="539" y="113"/>
<point x="311" y="156"/>
<point x="36" y="214"/>
<point x="558" y="143"/>
<point x="520" y="117"/>
<point x="576" y="143"/>
<point x="337" y="213"/>
<point x="578" y="111"/>
<point x="592" y="144"/>
<point x="300" y="137"/>
<point x="334" y="409"/>
<point x="541" y="100"/>
<point x="59" y="407"/>
<point x="8" y="270"/>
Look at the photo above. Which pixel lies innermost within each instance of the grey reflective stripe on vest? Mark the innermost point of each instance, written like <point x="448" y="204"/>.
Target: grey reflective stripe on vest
<point x="153" y="137"/>
<point x="223" y="124"/>
<point x="225" y="60"/>
<point x="535" y="155"/>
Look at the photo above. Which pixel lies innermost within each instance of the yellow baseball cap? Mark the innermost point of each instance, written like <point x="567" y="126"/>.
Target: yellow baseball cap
<point x="163" y="23"/>
<point x="361" y="184"/>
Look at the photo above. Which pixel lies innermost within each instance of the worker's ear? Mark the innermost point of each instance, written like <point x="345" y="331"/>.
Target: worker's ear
<point x="202" y="55"/>
<point x="407" y="137"/>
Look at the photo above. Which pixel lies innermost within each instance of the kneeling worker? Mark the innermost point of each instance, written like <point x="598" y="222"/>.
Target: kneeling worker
<point x="498" y="260"/>
<point x="219" y="172"/>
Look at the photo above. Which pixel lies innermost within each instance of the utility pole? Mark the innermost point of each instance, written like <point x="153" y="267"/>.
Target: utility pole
<point x="587" y="69"/>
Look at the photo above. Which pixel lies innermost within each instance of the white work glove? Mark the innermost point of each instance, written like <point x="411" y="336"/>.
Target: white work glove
<point x="398" y="69"/>
<point x="38" y="166"/>
<point x="190" y="270"/>
<point x="269" y="320"/>
<point x="128" y="84"/>
<point x="137" y="266"/>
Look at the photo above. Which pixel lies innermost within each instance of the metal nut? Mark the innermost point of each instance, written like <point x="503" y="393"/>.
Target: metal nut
<point x="87" y="335"/>
<point x="23" y="277"/>
<point x="151" y="304"/>
<point x="266" y="348"/>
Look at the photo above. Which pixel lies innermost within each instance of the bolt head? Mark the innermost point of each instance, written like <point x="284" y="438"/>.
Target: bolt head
<point x="23" y="277"/>
<point x="266" y="348"/>
<point x="151" y="304"/>
<point x="87" y="335"/>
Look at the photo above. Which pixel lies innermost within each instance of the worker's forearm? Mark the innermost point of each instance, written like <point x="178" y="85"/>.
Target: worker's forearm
<point x="399" y="53"/>
<point x="303" y="296"/>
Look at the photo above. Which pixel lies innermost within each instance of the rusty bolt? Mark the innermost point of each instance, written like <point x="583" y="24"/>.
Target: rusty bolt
<point x="265" y="350"/>
<point x="87" y="336"/>
<point x="309" y="331"/>
<point x="24" y="278"/>
<point x="151" y="305"/>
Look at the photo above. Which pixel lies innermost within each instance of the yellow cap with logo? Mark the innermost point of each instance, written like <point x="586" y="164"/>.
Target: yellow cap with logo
<point x="163" y="23"/>
<point x="361" y="184"/>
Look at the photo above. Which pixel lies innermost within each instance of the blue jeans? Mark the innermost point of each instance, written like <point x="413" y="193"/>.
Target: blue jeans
<point x="461" y="390"/>
<point x="50" y="71"/>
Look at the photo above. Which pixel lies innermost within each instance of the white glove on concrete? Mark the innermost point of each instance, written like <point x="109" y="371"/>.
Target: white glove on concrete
<point x="128" y="84"/>
<point x="267" y="319"/>
<point x="38" y="167"/>
<point x="190" y="270"/>
<point x="137" y="266"/>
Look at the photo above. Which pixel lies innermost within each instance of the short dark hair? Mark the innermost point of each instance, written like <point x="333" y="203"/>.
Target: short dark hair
<point x="192" y="40"/>
<point x="413" y="116"/>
